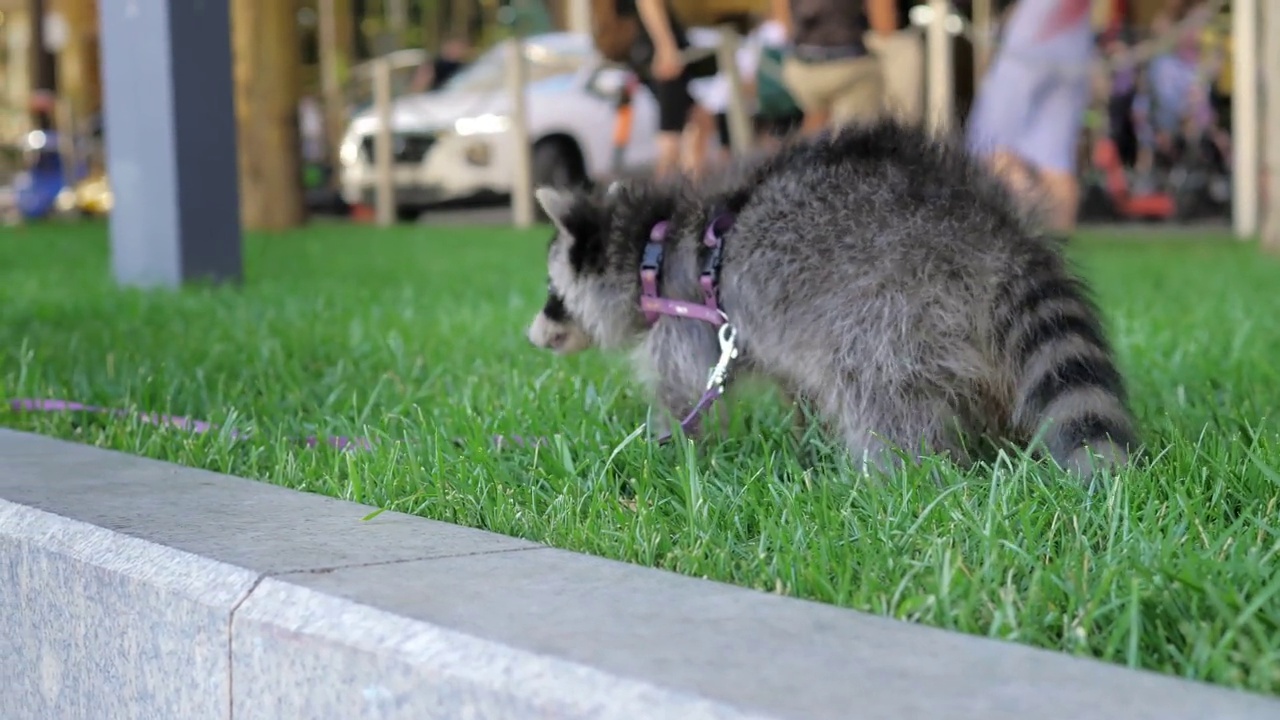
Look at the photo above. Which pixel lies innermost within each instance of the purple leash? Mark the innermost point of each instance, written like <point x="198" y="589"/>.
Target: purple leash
<point x="178" y="421"/>
<point x="203" y="426"/>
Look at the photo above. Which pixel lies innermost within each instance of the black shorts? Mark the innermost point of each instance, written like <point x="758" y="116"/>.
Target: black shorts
<point x="672" y="96"/>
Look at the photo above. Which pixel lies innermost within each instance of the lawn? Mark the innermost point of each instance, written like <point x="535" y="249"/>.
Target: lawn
<point x="412" y="337"/>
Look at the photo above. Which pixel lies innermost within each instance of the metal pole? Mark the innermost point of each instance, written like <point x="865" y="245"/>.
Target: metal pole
<point x="1271" y="90"/>
<point x="738" y="116"/>
<point x="171" y="153"/>
<point x="1244" y="121"/>
<point x="522" y="153"/>
<point x="384" y="200"/>
<point x="941" y="76"/>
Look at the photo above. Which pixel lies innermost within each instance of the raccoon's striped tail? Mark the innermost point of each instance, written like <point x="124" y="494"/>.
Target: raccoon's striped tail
<point x="1069" y="395"/>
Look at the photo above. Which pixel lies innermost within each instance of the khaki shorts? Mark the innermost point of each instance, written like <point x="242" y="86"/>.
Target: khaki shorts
<point x="850" y="89"/>
<point x="902" y="66"/>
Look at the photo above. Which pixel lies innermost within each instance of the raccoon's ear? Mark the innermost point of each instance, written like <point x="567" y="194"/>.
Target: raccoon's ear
<point x="557" y="204"/>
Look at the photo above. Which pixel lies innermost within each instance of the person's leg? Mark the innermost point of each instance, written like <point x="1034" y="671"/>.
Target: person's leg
<point x="902" y="67"/>
<point x="861" y="95"/>
<point x="673" y="102"/>
<point x="1050" y="146"/>
<point x="803" y="81"/>
<point x="1005" y="113"/>
<point x="699" y="129"/>
<point x="725" y="145"/>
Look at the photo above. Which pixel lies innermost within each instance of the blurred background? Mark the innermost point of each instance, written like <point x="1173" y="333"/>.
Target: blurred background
<point x="309" y="77"/>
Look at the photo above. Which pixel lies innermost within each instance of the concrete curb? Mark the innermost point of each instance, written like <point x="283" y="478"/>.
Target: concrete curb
<point x="136" y="588"/>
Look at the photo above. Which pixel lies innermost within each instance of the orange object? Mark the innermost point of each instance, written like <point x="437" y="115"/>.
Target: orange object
<point x="362" y="213"/>
<point x="1155" y="205"/>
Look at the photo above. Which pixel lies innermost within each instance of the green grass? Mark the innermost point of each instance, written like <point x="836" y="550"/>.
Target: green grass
<point x="413" y="337"/>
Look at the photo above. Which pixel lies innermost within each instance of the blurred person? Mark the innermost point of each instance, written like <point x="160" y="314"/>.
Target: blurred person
<point x="1175" y="102"/>
<point x="656" y="57"/>
<point x="901" y="55"/>
<point x="453" y="56"/>
<point x="832" y="74"/>
<point x="714" y="93"/>
<point x="1030" y="108"/>
<point x="1173" y="73"/>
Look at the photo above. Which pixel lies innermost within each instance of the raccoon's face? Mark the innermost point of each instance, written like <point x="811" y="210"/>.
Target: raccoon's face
<point x="593" y="262"/>
<point x="554" y="329"/>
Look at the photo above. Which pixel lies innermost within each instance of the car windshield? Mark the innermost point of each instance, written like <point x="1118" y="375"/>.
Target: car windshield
<point x="488" y="70"/>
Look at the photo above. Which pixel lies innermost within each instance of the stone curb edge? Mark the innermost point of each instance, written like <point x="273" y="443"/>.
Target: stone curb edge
<point x="136" y="588"/>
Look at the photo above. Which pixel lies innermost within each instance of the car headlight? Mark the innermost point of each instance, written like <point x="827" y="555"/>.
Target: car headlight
<point x="486" y="124"/>
<point x="349" y="152"/>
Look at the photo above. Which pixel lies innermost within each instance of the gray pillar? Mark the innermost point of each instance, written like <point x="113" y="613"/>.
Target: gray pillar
<point x="170" y="141"/>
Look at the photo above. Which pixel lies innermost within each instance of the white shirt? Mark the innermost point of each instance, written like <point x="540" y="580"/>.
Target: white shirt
<point x="712" y="92"/>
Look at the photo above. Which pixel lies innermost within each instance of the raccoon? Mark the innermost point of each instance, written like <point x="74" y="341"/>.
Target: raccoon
<point x="881" y="277"/>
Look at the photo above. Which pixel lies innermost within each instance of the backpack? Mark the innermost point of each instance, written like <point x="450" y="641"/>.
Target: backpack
<point x="773" y="100"/>
<point x="613" y="33"/>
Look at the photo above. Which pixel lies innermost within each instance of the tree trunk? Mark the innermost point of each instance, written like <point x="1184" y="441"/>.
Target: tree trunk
<point x="267" y="86"/>
<point x="1270" y="62"/>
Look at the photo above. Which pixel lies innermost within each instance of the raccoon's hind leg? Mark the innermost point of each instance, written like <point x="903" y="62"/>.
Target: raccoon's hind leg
<point x="885" y="428"/>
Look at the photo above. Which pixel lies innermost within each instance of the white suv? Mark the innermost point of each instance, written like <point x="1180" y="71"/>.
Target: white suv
<point x="455" y="142"/>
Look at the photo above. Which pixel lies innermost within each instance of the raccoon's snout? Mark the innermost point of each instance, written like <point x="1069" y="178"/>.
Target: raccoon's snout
<point x="562" y="338"/>
<point x="545" y="334"/>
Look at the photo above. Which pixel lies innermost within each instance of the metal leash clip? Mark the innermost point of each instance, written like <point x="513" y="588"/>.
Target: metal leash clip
<point x="728" y="352"/>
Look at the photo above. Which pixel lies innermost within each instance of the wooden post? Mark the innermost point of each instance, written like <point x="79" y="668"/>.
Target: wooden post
<point x="17" y="80"/>
<point x="384" y="200"/>
<point x="335" y="58"/>
<point x="739" y="117"/>
<point x="460" y="17"/>
<point x="1244" y="118"/>
<point x="1271" y="90"/>
<point x="522" y="165"/>
<point x="941" y="84"/>
<point x="265" y="43"/>
<point x="397" y="20"/>
<point x="78" y="68"/>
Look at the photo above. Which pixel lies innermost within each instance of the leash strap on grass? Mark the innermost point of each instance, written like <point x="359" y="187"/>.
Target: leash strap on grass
<point x="178" y="421"/>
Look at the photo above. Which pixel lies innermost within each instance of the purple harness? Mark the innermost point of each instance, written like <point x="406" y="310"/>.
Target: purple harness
<point x="708" y="310"/>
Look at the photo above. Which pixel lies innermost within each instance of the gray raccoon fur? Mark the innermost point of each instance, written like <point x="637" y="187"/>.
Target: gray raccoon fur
<point x="885" y="280"/>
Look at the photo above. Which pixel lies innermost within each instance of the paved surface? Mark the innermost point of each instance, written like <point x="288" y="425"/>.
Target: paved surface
<point x="135" y="588"/>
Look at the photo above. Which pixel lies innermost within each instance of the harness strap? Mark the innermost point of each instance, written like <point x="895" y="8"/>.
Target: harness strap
<point x="651" y="266"/>
<point x="708" y="311"/>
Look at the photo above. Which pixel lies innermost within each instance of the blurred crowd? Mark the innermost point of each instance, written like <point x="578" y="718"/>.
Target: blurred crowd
<point x="808" y="64"/>
<point x="804" y="65"/>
